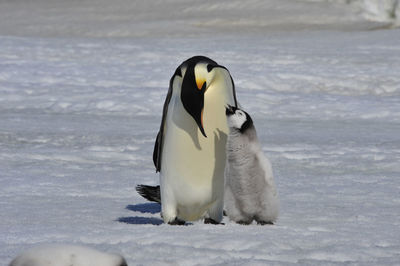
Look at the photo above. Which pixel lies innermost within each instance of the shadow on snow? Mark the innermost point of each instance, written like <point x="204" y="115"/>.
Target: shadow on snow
<point x="140" y="220"/>
<point x="143" y="208"/>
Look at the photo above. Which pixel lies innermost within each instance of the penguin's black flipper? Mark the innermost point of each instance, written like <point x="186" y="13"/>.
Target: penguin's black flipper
<point x="151" y="193"/>
<point x="156" y="151"/>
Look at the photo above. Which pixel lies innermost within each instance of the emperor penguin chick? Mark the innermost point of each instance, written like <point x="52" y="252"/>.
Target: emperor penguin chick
<point x="250" y="192"/>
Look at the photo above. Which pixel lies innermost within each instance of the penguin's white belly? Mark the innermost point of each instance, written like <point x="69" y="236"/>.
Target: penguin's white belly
<point x="193" y="165"/>
<point x="189" y="170"/>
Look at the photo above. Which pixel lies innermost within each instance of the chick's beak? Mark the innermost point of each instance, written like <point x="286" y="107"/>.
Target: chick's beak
<point x="229" y="110"/>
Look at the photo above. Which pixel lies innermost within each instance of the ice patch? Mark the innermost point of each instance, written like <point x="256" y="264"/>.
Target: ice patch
<point x="107" y="105"/>
<point x="382" y="10"/>
<point x="331" y="257"/>
<point x="53" y="255"/>
<point x="319" y="229"/>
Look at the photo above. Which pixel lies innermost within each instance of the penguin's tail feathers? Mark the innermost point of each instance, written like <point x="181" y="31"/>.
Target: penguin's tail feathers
<point x="151" y="193"/>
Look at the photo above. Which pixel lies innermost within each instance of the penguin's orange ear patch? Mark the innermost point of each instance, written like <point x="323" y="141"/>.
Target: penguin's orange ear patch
<point x="200" y="83"/>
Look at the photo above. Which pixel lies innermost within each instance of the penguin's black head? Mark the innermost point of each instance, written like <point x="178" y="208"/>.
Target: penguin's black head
<point x="230" y="110"/>
<point x="238" y="119"/>
<point x="195" y="82"/>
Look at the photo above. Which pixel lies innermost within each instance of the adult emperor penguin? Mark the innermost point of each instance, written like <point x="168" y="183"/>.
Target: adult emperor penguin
<point x="250" y="192"/>
<point x="189" y="151"/>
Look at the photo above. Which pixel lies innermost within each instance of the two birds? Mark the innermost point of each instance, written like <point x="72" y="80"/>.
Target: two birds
<point x="204" y="137"/>
<point x="206" y="147"/>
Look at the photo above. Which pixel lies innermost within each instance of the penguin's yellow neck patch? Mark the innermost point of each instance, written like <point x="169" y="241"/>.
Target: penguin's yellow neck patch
<point x="200" y="83"/>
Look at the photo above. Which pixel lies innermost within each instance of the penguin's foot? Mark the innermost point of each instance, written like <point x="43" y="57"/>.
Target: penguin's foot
<point x="243" y="222"/>
<point x="177" y="222"/>
<point x="265" y="223"/>
<point x="211" y="221"/>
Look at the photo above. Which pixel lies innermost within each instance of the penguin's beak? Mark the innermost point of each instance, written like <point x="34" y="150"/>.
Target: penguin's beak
<point x="192" y="97"/>
<point x="229" y="110"/>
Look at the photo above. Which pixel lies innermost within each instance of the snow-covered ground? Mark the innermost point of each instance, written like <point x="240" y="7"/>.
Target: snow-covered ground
<point x="80" y="107"/>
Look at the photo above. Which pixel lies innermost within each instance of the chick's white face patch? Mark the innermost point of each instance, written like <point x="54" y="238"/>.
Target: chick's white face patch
<point x="237" y="119"/>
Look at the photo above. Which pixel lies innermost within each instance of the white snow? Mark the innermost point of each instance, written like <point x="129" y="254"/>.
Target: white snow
<point x="82" y="86"/>
<point x="66" y="255"/>
<point x="384" y="10"/>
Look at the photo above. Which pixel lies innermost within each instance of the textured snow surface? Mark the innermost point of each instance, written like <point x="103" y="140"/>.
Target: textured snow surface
<point x="135" y="18"/>
<point x="79" y="115"/>
<point x="66" y="255"/>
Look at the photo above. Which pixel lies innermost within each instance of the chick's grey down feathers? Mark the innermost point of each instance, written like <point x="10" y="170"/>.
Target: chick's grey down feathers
<point x="250" y="192"/>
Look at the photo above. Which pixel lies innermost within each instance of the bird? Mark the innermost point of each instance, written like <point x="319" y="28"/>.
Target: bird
<point x="189" y="150"/>
<point x="250" y="191"/>
<point x="66" y="255"/>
